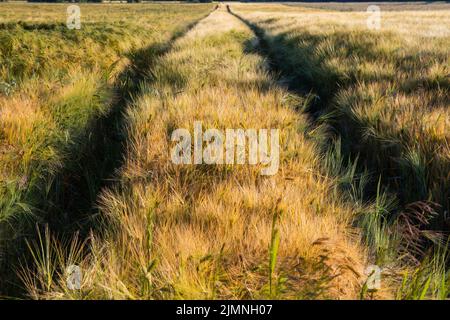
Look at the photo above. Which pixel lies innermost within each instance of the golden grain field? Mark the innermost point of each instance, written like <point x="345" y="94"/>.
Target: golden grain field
<point x="87" y="170"/>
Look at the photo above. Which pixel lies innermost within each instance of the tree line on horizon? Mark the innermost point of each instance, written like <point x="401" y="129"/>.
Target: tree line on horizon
<point x="203" y="1"/>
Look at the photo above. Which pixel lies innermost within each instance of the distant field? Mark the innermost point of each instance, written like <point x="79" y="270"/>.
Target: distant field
<point x="384" y="6"/>
<point x="88" y="178"/>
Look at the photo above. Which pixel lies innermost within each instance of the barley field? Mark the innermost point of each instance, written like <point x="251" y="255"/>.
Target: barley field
<point x="355" y="176"/>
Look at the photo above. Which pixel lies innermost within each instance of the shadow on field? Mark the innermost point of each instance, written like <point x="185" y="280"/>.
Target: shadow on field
<point x="295" y="62"/>
<point x="67" y="204"/>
